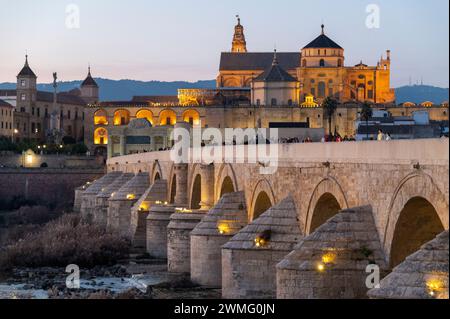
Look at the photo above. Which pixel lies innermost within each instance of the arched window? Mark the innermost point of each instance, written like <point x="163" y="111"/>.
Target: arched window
<point x="192" y="117"/>
<point x="167" y="117"/>
<point x="339" y="63"/>
<point x="145" y="114"/>
<point x="274" y="102"/>
<point x="322" y="62"/>
<point x="101" y="136"/>
<point x="321" y="89"/>
<point x="100" y="117"/>
<point x="121" y="117"/>
<point x="304" y="63"/>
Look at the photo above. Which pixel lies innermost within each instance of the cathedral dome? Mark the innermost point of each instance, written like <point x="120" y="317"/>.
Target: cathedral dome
<point x="323" y="42"/>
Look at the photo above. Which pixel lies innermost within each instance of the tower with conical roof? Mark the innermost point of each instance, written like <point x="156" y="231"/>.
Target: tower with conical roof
<point x="89" y="89"/>
<point x="26" y="88"/>
<point x="239" y="44"/>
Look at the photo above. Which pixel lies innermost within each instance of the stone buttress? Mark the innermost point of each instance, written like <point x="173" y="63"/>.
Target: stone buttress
<point x="155" y="194"/>
<point x="249" y="259"/>
<point x="101" y="201"/>
<point x="120" y="205"/>
<point x="89" y="195"/>
<point x="423" y="275"/>
<point x="331" y="262"/>
<point x="219" y="225"/>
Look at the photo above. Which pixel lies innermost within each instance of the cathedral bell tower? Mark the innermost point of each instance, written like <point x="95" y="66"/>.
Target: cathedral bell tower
<point x="239" y="44"/>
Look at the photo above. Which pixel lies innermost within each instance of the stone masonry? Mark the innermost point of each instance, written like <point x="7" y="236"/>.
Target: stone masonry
<point x="423" y="275"/>
<point x="248" y="268"/>
<point x="331" y="262"/>
<point x="221" y="223"/>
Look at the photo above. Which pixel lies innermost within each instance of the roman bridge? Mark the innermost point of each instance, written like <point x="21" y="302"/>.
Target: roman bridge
<point x="325" y="213"/>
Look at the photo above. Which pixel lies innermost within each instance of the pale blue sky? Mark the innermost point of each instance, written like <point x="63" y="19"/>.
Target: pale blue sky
<point x="182" y="39"/>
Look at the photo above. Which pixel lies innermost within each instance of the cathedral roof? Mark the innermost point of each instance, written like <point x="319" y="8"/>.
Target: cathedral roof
<point x="257" y="60"/>
<point x="322" y="41"/>
<point x="26" y="70"/>
<point x="275" y="73"/>
<point x="89" y="81"/>
<point x="5" y="104"/>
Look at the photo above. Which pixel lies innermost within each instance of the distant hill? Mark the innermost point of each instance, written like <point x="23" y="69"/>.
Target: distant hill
<point x="123" y="90"/>
<point x="421" y="93"/>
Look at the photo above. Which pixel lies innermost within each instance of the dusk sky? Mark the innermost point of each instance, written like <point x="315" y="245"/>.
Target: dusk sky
<point x="182" y="39"/>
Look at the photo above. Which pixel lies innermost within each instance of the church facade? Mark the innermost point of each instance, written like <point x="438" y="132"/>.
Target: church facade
<point x="319" y="71"/>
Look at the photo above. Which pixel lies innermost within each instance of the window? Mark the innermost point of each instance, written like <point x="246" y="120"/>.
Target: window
<point x="322" y="62"/>
<point x="38" y="127"/>
<point x="274" y="102"/>
<point x="38" y="112"/>
<point x="46" y="112"/>
<point x="32" y="111"/>
<point x="22" y="109"/>
<point x="290" y="102"/>
<point x="33" y="128"/>
<point x="330" y="92"/>
<point x="321" y="90"/>
<point x="313" y="91"/>
<point x="68" y="114"/>
<point x="370" y="94"/>
<point x="304" y="63"/>
<point x="339" y="63"/>
<point x="23" y="97"/>
<point x="258" y="103"/>
<point x="76" y="114"/>
<point x="23" y="83"/>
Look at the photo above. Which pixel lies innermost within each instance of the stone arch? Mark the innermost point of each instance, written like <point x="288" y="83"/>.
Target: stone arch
<point x="145" y="114"/>
<point x="193" y="172"/>
<point x="101" y="117"/>
<point x="172" y="186"/>
<point x="232" y="82"/>
<point x="192" y="117"/>
<point x="326" y="186"/>
<point x="225" y="170"/>
<point x="326" y="207"/>
<point x="227" y="186"/>
<point x="413" y="187"/>
<point x="156" y="172"/>
<point x="101" y="136"/>
<point x="263" y="198"/>
<point x="167" y="117"/>
<point x="417" y="224"/>
<point x="196" y="192"/>
<point x="121" y="117"/>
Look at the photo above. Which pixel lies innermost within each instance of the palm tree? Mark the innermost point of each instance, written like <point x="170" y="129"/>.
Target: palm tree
<point x="366" y="114"/>
<point x="330" y="105"/>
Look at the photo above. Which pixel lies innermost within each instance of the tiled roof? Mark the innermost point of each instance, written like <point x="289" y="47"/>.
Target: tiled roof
<point x="5" y="104"/>
<point x="63" y="98"/>
<point x="89" y="81"/>
<point x="257" y="60"/>
<point x="275" y="73"/>
<point x="322" y="41"/>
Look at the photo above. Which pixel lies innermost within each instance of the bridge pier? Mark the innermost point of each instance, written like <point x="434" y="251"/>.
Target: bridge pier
<point x="157" y="222"/>
<point x="249" y="259"/>
<point x="101" y="201"/>
<point x="79" y="191"/>
<point x="140" y="211"/>
<point x="178" y="240"/>
<point x="181" y="173"/>
<point x="119" y="205"/>
<point x="331" y="262"/>
<point x="423" y="275"/>
<point x="90" y="194"/>
<point x="219" y="225"/>
<point x="207" y="186"/>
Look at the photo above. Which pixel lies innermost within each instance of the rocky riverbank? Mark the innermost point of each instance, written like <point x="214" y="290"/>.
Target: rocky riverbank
<point x="136" y="278"/>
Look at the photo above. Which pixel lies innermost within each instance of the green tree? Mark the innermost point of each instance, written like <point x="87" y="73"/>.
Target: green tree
<point x="330" y="106"/>
<point x="366" y="114"/>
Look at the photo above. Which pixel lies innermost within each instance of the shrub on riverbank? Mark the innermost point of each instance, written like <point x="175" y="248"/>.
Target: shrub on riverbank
<point x="64" y="241"/>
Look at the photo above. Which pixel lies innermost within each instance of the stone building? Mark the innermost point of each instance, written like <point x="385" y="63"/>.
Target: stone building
<point x="318" y="68"/>
<point x="6" y="119"/>
<point x="36" y="112"/>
